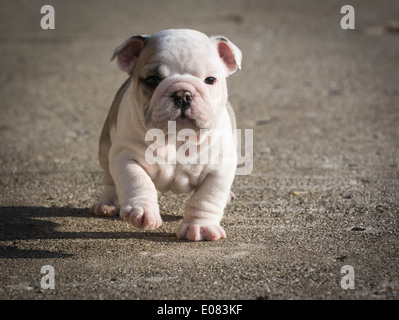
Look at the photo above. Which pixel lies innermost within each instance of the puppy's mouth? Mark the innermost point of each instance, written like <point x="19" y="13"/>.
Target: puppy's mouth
<point x="182" y="100"/>
<point x="187" y="121"/>
<point x="182" y="115"/>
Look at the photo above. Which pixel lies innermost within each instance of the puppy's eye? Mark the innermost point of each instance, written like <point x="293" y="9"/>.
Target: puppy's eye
<point x="210" y="80"/>
<point x="152" y="81"/>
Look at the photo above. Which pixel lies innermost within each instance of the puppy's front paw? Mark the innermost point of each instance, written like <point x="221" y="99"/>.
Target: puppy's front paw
<point x="199" y="231"/>
<point x="142" y="213"/>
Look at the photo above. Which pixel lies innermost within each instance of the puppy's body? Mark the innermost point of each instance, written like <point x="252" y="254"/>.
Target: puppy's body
<point x="176" y="76"/>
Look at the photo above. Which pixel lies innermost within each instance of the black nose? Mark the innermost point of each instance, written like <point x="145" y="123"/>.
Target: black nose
<point x="182" y="100"/>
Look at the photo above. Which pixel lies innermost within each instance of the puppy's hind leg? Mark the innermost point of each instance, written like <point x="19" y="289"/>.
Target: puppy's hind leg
<point x="107" y="205"/>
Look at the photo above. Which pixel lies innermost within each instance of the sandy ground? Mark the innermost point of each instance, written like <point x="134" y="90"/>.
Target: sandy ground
<point x="323" y="193"/>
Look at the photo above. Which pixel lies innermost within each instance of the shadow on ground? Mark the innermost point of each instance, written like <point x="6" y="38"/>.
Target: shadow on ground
<point x="31" y="223"/>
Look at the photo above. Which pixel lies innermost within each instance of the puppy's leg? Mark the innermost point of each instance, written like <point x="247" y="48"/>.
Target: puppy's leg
<point x="137" y="195"/>
<point x="204" y="210"/>
<point x="107" y="205"/>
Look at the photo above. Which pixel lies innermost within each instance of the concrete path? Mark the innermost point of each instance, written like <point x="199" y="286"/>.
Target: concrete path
<point x="323" y="194"/>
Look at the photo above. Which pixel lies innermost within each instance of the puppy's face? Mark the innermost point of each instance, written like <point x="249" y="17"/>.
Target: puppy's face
<point x="179" y="75"/>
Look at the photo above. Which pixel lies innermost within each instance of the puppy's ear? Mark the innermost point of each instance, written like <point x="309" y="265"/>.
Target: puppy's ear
<point x="128" y="52"/>
<point x="229" y="53"/>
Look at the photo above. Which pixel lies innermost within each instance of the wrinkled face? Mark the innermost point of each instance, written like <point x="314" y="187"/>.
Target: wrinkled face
<point x="179" y="75"/>
<point x="180" y="78"/>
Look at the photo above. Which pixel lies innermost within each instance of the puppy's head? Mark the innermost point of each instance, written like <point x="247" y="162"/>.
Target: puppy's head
<point x="179" y="75"/>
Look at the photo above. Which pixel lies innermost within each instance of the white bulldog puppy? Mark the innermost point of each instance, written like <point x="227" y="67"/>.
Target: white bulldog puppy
<point x="177" y="80"/>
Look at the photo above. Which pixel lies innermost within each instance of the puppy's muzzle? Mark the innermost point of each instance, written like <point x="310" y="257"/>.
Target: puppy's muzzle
<point x="182" y="100"/>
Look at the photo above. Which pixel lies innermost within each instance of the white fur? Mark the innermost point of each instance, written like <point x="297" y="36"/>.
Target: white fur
<point x="136" y="181"/>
